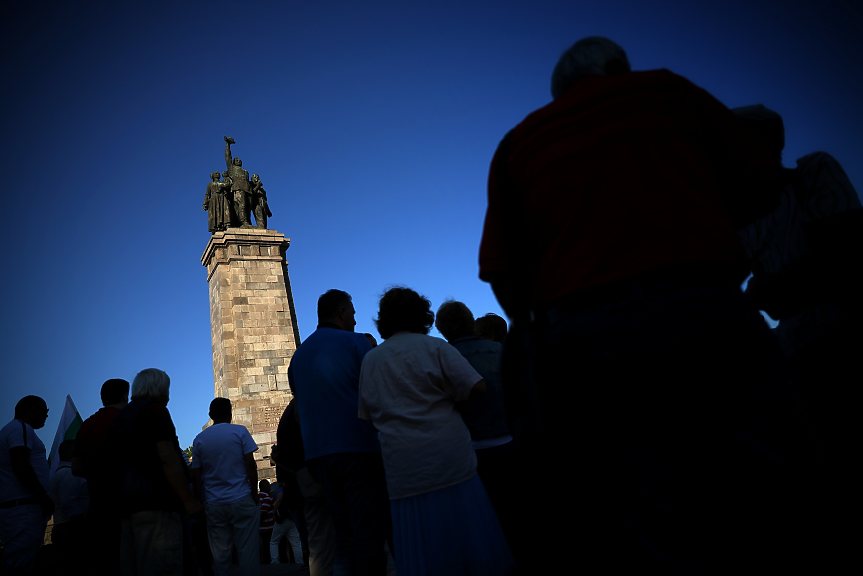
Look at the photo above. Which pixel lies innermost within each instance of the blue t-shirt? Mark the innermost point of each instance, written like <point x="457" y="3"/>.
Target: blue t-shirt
<point x="325" y="374"/>
<point x="220" y="452"/>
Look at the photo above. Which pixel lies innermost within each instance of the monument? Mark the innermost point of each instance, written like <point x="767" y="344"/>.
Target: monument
<point x="252" y="316"/>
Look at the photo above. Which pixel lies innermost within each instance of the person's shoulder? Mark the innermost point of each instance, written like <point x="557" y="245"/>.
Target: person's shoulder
<point x="814" y="159"/>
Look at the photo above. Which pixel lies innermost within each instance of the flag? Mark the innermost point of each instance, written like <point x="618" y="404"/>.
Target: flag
<point x="70" y="422"/>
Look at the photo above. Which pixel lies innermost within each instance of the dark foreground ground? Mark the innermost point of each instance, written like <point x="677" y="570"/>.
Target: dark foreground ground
<point x="47" y="565"/>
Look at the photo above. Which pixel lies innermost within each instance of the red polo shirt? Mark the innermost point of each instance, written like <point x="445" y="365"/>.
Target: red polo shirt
<point x="620" y="176"/>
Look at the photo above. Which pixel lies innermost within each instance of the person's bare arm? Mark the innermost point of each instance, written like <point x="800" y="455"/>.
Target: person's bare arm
<point x="173" y="469"/>
<point x="252" y="475"/>
<point x="23" y="470"/>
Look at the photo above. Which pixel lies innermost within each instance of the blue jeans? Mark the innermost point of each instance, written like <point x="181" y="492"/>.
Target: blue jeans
<point x="355" y="489"/>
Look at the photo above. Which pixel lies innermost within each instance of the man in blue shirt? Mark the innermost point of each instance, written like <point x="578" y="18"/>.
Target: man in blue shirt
<point x="342" y="451"/>
<point x="224" y="470"/>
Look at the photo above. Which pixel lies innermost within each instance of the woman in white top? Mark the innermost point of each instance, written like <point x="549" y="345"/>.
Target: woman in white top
<point x="410" y="388"/>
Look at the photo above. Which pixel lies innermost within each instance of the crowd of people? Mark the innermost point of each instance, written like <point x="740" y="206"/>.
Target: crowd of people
<point x="637" y="416"/>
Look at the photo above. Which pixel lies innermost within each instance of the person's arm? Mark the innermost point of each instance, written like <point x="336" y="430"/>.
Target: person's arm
<point x="252" y="475"/>
<point x="277" y="502"/>
<point x="172" y="466"/>
<point x="26" y="475"/>
<point x="228" y="159"/>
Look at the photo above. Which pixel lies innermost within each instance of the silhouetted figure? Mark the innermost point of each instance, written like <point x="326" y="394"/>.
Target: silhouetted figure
<point x="225" y="477"/>
<point x="491" y="327"/>
<point x="485" y="417"/>
<point x="25" y="505"/>
<point x="443" y="521"/>
<point x="313" y="514"/>
<point x="659" y="410"/>
<point x="240" y="186"/>
<point x="268" y="520"/>
<point x="285" y="527"/>
<point x="154" y="479"/>
<point x="341" y="451"/>
<point x="217" y="204"/>
<point x="71" y="499"/>
<point x="91" y="460"/>
<point x="258" y="202"/>
<point x="807" y="264"/>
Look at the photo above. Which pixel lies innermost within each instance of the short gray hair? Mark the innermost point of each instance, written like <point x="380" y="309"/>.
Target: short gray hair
<point x="592" y="56"/>
<point x="151" y="384"/>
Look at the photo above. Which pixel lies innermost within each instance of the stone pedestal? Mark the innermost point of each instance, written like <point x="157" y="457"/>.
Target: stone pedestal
<point x="254" y="329"/>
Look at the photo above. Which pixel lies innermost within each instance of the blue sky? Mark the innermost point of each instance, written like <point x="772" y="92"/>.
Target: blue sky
<point x="372" y="125"/>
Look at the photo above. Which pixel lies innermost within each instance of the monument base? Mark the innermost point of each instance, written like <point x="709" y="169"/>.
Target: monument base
<point x="254" y="330"/>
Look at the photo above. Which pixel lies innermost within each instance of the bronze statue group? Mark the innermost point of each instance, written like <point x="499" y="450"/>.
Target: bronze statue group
<point x="641" y="417"/>
<point x="231" y="201"/>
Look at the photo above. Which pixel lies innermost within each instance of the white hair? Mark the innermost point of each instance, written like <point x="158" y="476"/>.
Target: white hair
<point x="592" y="56"/>
<point x="151" y="384"/>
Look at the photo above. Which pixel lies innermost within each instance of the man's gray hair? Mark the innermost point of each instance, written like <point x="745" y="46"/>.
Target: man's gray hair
<point x="151" y="384"/>
<point x="592" y="56"/>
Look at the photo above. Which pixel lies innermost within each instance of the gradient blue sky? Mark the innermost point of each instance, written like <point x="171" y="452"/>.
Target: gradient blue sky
<point x="372" y="125"/>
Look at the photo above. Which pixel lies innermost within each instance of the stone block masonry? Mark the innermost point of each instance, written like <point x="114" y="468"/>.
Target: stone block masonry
<point x="254" y="329"/>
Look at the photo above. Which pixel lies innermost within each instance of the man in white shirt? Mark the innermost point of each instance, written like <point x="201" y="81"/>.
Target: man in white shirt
<point x="225" y="475"/>
<point x="71" y="500"/>
<point x="24" y="502"/>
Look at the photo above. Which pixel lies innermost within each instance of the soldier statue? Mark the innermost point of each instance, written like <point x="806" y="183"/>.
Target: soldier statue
<point x="217" y="204"/>
<point x="232" y="201"/>
<point x="240" y="185"/>
<point x="259" y="202"/>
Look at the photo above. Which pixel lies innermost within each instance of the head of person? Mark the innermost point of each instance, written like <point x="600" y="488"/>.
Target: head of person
<point x="33" y="410"/>
<point x="238" y="162"/>
<point x="766" y="125"/>
<point x="214" y="176"/>
<point x="491" y="327"/>
<point x="403" y="310"/>
<point x="336" y="307"/>
<point x="454" y="320"/>
<point x="65" y="450"/>
<point x="225" y="174"/>
<point x="264" y="485"/>
<point x="115" y="391"/>
<point x="220" y="410"/>
<point x="151" y="384"/>
<point x="592" y="56"/>
<point x="256" y="178"/>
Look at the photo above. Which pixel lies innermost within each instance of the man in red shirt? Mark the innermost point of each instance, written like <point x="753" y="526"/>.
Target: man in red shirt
<point x="91" y="461"/>
<point x="655" y="387"/>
